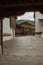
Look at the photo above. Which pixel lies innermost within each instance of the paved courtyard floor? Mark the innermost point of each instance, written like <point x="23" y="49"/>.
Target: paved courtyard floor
<point x="26" y="50"/>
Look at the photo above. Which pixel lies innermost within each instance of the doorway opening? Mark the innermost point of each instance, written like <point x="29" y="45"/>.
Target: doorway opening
<point x="25" y="24"/>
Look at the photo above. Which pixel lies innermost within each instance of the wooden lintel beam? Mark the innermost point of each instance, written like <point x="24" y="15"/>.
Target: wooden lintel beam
<point x="19" y="5"/>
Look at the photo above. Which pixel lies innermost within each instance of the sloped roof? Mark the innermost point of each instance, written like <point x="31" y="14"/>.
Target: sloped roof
<point x="27" y="25"/>
<point x="18" y="26"/>
<point x="26" y="21"/>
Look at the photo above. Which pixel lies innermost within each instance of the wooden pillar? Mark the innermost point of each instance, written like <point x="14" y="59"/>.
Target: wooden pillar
<point x="13" y="25"/>
<point x="1" y="40"/>
<point x="13" y="32"/>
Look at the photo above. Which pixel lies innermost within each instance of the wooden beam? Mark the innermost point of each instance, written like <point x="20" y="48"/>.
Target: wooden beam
<point x="19" y="5"/>
<point x="1" y="38"/>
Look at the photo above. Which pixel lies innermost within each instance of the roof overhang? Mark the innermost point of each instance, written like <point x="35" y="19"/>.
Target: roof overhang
<point x="18" y="7"/>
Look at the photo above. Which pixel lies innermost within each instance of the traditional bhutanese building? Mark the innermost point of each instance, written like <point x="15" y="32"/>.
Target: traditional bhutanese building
<point x="28" y="27"/>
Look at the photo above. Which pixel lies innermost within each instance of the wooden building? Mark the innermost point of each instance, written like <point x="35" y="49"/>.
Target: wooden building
<point x="28" y="28"/>
<point x="25" y="27"/>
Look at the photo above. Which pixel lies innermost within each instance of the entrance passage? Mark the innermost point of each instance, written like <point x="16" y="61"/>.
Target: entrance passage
<point x="25" y="24"/>
<point x="25" y="50"/>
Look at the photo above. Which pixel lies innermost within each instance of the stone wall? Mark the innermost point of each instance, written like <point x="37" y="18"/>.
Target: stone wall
<point x="38" y="24"/>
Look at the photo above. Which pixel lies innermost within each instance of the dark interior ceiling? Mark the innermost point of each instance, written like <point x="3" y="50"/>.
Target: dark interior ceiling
<point x="18" y="7"/>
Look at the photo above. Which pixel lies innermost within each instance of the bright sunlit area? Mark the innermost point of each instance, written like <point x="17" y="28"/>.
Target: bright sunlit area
<point x="25" y="24"/>
<point x="26" y="16"/>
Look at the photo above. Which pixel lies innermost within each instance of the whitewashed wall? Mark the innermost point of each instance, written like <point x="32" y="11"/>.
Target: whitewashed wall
<point x="6" y="25"/>
<point x="38" y="24"/>
<point x="7" y="29"/>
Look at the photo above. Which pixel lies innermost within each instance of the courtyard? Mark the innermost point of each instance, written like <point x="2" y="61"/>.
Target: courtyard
<point x="25" y="50"/>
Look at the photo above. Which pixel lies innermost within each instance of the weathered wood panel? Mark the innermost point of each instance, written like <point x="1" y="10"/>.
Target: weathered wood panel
<point x="0" y="32"/>
<point x="12" y="22"/>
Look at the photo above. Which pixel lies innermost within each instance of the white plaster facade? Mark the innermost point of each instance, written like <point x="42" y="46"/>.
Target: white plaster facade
<point x="38" y="24"/>
<point x="7" y="29"/>
<point x="6" y="26"/>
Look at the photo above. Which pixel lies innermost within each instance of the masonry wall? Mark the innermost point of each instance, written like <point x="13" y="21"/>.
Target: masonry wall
<point x="7" y="29"/>
<point x="6" y="26"/>
<point x="38" y="24"/>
